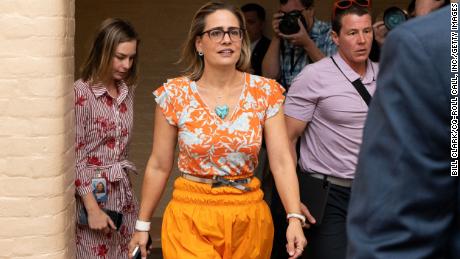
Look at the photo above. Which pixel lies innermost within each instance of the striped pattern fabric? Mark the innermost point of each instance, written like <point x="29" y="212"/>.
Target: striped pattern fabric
<point x="103" y="132"/>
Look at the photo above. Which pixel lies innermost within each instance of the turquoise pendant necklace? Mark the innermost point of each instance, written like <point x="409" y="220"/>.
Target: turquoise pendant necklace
<point x="221" y="111"/>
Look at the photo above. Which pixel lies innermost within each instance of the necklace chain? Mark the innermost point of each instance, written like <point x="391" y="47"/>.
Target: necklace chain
<point x="223" y="109"/>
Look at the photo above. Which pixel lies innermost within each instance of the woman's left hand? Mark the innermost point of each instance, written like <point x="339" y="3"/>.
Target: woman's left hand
<point x="296" y="240"/>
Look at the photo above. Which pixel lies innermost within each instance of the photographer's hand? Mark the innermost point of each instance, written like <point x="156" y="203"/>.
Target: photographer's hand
<point x="299" y="39"/>
<point x="276" y="23"/>
<point x="302" y="39"/>
<point x="380" y="32"/>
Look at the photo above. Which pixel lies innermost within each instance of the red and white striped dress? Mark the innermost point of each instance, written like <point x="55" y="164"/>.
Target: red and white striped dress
<point x="103" y="132"/>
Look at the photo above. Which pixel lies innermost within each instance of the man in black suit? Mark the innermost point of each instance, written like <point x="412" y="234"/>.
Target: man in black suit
<point x="405" y="203"/>
<point x="255" y="20"/>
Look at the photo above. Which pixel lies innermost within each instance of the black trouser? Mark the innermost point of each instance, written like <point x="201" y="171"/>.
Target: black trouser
<point x="326" y="241"/>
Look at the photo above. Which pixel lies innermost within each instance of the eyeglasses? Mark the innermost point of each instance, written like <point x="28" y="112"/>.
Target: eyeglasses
<point x="345" y="4"/>
<point x="218" y="34"/>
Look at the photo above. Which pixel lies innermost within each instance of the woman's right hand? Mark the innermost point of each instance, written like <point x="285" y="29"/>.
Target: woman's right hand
<point x="140" y="238"/>
<point x="99" y="220"/>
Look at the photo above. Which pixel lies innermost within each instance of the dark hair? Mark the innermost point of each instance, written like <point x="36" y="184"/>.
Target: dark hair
<point x="305" y="3"/>
<point x="252" y="7"/>
<point x="339" y="13"/>
<point x="98" y="64"/>
<point x="194" y="63"/>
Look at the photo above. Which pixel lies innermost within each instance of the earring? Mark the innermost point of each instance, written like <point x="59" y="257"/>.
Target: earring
<point x="200" y="53"/>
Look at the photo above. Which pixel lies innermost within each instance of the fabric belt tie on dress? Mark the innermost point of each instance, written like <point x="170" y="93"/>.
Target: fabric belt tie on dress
<point x="219" y="181"/>
<point x="116" y="173"/>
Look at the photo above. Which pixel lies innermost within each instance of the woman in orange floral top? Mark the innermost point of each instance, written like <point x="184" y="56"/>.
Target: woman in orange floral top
<point x="217" y="114"/>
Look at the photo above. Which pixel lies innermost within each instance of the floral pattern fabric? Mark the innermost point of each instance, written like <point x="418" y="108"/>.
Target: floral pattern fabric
<point x="209" y="145"/>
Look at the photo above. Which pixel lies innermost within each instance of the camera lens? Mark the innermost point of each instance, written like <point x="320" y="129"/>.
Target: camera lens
<point x="287" y="26"/>
<point x="393" y="17"/>
<point x="288" y="23"/>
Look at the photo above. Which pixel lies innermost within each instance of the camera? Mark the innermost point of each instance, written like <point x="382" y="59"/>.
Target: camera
<point x="288" y="23"/>
<point x="394" y="16"/>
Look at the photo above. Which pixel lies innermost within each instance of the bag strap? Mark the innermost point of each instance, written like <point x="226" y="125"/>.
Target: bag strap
<point x="362" y="91"/>
<point x="358" y="85"/>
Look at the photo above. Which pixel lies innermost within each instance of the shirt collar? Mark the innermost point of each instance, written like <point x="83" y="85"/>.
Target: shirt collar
<point x="369" y="77"/>
<point x="99" y="90"/>
<point x="123" y="91"/>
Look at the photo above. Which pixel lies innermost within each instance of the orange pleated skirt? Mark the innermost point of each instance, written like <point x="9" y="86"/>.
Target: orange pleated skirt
<point x="202" y="222"/>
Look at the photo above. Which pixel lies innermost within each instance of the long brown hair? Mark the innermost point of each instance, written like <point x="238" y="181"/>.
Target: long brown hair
<point x="194" y="63"/>
<point x="98" y="64"/>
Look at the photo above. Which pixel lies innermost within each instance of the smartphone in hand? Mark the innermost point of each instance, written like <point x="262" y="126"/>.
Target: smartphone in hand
<point x="137" y="250"/>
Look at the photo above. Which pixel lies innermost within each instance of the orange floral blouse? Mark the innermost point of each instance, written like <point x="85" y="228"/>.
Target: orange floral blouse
<point x="209" y="145"/>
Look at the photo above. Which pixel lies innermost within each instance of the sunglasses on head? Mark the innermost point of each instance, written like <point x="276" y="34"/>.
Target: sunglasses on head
<point x="345" y="4"/>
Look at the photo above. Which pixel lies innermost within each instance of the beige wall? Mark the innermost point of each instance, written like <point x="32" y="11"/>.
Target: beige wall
<point x="36" y="129"/>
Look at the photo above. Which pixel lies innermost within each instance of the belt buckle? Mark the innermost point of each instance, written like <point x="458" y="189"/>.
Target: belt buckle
<point x="221" y="181"/>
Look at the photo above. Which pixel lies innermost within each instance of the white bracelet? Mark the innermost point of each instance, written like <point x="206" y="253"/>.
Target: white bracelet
<point x="143" y="226"/>
<point x="302" y="218"/>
